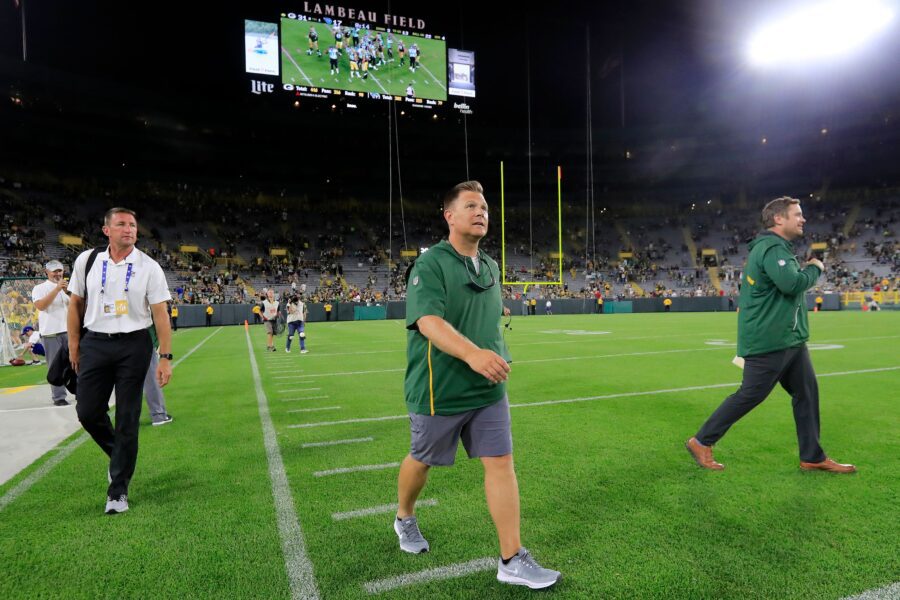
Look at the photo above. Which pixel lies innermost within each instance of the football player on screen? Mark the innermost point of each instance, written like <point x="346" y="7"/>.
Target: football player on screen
<point x="313" y="41"/>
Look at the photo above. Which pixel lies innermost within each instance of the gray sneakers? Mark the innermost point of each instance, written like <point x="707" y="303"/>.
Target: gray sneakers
<point x="116" y="505"/>
<point x="411" y="539"/>
<point x="522" y="569"/>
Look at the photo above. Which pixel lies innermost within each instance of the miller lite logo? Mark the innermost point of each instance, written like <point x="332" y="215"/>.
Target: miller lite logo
<point x="260" y="87"/>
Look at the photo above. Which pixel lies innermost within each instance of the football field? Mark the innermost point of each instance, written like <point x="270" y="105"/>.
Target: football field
<point x="277" y="477"/>
<point x="429" y="81"/>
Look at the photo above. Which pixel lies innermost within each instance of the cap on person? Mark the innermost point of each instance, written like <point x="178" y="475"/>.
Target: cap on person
<point x="54" y="265"/>
<point x="27" y="329"/>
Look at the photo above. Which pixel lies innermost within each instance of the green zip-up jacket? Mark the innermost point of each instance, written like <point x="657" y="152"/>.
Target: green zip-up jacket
<point x="773" y="297"/>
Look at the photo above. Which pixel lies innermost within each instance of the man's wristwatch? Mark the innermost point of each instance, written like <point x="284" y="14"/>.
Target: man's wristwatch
<point x="166" y="356"/>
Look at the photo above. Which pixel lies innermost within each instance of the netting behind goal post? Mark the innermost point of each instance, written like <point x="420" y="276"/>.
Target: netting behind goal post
<point x="16" y="311"/>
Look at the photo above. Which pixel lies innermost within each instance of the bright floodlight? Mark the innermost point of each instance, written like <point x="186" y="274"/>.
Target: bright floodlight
<point x="823" y="30"/>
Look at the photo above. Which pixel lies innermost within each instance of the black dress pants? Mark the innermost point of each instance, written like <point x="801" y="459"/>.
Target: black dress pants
<point x="793" y="369"/>
<point x="106" y="363"/>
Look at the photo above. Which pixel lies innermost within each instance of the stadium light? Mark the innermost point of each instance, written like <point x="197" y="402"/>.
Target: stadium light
<point x="819" y="31"/>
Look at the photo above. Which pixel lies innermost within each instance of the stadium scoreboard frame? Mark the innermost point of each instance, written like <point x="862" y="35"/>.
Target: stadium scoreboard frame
<point x="328" y="54"/>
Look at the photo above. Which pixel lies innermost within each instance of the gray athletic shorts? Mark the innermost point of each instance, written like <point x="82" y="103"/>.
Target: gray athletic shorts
<point x="270" y="326"/>
<point x="484" y="431"/>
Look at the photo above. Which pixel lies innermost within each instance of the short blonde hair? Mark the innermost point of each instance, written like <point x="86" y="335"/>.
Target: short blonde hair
<point x="465" y="186"/>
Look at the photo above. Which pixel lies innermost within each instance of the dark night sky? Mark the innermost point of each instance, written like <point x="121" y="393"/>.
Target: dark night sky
<point x="683" y="65"/>
<point x="680" y="57"/>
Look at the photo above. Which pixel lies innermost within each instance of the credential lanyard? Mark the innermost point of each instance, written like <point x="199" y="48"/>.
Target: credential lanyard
<point x="103" y="276"/>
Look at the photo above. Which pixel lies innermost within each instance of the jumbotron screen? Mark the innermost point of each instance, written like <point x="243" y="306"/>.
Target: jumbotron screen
<point x="334" y="52"/>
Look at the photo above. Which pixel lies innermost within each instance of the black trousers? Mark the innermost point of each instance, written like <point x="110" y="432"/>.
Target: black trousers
<point x="208" y="320"/>
<point x="108" y="363"/>
<point x="174" y="323"/>
<point x="793" y="369"/>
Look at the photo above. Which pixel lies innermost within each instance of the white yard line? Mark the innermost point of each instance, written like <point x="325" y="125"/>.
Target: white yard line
<point x="378" y="510"/>
<point x="378" y="83"/>
<point x="693" y="388"/>
<point x="337" y="442"/>
<point x="436" y="80"/>
<point x="356" y="469"/>
<point x="299" y="568"/>
<point x="51" y="407"/>
<point x="291" y="58"/>
<point x="26" y="484"/>
<point x="447" y="572"/>
<point x="888" y="592"/>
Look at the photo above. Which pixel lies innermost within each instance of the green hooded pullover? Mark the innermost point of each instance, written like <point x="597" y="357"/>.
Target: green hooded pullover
<point x="773" y="297"/>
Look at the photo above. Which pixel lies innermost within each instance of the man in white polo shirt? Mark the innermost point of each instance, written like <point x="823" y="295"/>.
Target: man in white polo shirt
<point x="52" y="303"/>
<point x="113" y="300"/>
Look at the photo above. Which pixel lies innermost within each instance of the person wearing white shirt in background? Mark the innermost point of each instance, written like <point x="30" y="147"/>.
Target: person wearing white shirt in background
<point x="270" y="316"/>
<point x="52" y="302"/>
<point x="296" y="318"/>
<point x="116" y="302"/>
<point x="32" y="345"/>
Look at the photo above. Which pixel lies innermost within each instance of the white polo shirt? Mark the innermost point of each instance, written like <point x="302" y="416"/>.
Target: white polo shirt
<point x="52" y="320"/>
<point x="146" y="285"/>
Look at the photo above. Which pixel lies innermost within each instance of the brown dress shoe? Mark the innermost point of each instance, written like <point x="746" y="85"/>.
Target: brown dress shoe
<point x="828" y="465"/>
<point x="703" y="455"/>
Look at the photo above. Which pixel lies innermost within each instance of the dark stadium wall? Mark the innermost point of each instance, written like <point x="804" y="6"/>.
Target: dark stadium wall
<point x="194" y="315"/>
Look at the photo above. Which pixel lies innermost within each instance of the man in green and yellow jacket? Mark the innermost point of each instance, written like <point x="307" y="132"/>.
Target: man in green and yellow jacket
<point x="773" y="329"/>
<point x="455" y="386"/>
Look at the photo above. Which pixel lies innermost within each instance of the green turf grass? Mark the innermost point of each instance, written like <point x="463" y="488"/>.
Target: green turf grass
<point x="609" y="495"/>
<point x="429" y="80"/>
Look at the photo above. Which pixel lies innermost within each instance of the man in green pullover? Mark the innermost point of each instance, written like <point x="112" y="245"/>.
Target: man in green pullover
<point x="772" y="334"/>
<point x="457" y="367"/>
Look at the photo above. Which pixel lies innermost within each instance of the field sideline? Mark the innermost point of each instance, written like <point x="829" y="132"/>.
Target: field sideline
<point x="277" y="475"/>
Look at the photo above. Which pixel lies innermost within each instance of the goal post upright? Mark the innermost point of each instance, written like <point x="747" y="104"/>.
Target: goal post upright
<point x="503" y="231"/>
